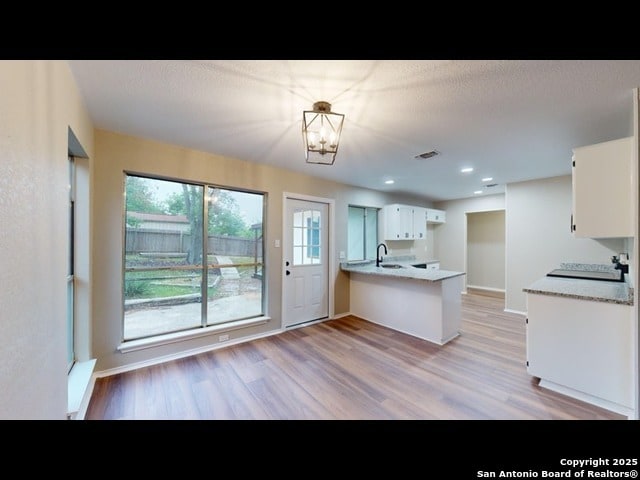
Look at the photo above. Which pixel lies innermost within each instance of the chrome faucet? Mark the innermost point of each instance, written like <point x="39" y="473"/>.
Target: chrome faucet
<point x="378" y="257"/>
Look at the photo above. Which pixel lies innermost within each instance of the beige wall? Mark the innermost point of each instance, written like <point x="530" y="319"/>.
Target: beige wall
<point x="115" y="153"/>
<point x="39" y="101"/>
<point x="449" y="237"/>
<point x="538" y="236"/>
<point x="486" y="249"/>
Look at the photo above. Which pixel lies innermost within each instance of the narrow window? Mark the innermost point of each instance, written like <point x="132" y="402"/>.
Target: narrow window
<point x="362" y="234"/>
<point x="71" y="267"/>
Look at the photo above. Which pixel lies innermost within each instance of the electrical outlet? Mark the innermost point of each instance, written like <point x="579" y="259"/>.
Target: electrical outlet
<point x="223" y="338"/>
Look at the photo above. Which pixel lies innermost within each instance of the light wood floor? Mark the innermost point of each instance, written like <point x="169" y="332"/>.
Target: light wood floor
<point x="349" y="369"/>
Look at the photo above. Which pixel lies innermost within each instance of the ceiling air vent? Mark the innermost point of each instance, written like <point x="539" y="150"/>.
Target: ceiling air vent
<point x="489" y="185"/>
<point x="430" y="154"/>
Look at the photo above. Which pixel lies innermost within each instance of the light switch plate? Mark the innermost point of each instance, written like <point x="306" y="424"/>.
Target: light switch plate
<point x="276" y="243"/>
<point x="342" y="255"/>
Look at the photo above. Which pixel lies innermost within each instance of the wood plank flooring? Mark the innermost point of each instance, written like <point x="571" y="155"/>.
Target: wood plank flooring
<point x="349" y="369"/>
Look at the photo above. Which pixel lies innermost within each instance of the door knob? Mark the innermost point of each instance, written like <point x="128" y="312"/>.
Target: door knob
<point x="287" y="263"/>
<point x="288" y="272"/>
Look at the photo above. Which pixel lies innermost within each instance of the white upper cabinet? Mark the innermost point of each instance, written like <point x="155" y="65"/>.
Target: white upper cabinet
<point x="419" y="223"/>
<point x="602" y="193"/>
<point x="397" y="222"/>
<point x="406" y="222"/>
<point x="435" y="216"/>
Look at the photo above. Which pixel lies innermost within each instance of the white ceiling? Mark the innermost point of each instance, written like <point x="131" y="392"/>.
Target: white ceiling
<point x="510" y="120"/>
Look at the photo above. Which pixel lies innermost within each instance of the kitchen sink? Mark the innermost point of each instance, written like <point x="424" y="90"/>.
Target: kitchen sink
<point x="391" y="265"/>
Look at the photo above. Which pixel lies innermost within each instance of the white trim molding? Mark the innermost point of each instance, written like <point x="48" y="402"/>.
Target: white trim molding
<point x="488" y="289"/>
<point x="600" y="402"/>
<point x="185" y="353"/>
<point x="517" y="312"/>
<point x="331" y="203"/>
<point x="79" y="388"/>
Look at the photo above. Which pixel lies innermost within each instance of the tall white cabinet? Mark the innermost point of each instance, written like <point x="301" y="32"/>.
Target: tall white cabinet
<point x="602" y="190"/>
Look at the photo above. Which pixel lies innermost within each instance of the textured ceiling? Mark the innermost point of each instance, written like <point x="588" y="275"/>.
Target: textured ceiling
<point x="510" y="120"/>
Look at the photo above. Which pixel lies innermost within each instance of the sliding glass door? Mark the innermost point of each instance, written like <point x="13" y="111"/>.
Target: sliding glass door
<point x="185" y="242"/>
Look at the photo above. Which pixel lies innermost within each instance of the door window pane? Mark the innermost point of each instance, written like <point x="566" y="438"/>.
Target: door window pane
<point x="306" y="237"/>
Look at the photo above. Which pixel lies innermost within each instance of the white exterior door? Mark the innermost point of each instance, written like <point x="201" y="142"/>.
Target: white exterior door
<point x="306" y="261"/>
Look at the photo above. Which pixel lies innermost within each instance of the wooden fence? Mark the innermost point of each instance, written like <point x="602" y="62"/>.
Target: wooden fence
<point x="146" y="240"/>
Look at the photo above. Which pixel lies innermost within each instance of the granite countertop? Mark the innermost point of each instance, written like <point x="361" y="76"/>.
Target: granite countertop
<point x="596" y="290"/>
<point x="407" y="271"/>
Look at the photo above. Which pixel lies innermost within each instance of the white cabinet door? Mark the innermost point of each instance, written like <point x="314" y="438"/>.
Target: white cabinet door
<point x="419" y="223"/>
<point x="581" y="345"/>
<point x="397" y="222"/>
<point x="435" y="216"/>
<point x="601" y="179"/>
<point x="406" y="222"/>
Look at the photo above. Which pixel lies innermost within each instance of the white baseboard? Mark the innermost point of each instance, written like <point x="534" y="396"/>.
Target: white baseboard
<point x="186" y="353"/>
<point x="194" y="351"/>
<point x="313" y="322"/>
<point x="488" y="289"/>
<point x="600" y="402"/>
<point x="517" y="312"/>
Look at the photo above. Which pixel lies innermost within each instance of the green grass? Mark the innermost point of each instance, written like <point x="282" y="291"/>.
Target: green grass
<point x="158" y="290"/>
<point x="166" y="282"/>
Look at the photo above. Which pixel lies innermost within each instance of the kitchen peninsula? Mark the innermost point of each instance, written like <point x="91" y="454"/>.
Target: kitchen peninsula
<point x="421" y="302"/>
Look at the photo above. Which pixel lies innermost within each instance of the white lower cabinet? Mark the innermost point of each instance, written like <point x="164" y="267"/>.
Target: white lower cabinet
<point x="582" y="348"/>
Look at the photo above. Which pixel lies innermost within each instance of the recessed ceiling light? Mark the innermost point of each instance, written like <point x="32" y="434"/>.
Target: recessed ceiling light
<point x="487" y="179"/>
<point x="466" y="170"/>
<point x="478" y="192"/>
<point x="389" y="182"/>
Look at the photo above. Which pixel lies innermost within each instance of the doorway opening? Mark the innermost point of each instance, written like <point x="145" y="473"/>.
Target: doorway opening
<point x="485" y="253"/>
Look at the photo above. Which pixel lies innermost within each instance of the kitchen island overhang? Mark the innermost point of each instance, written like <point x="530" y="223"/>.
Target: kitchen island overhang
<point x="425" y="304"/>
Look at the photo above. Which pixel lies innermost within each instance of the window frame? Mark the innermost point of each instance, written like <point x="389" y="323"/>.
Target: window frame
<point x="71" y="290"/>
<point x="366" y="210"/>
<point x="204" y="267"/>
